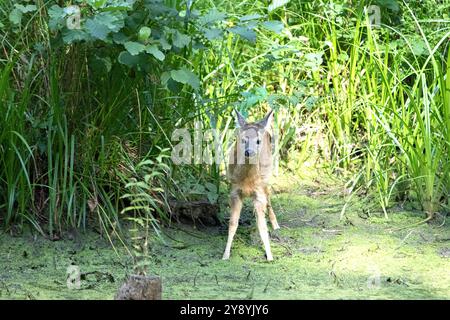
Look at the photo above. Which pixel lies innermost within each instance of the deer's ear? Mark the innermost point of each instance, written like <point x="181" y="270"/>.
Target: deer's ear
<point x="240" y="119"/>
<point x="265" y="123"/>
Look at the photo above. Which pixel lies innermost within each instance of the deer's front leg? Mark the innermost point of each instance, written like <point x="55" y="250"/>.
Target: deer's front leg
<point x="236" y="206"/>
<point x="260" y="203"/>
<point x="272" y="217"/>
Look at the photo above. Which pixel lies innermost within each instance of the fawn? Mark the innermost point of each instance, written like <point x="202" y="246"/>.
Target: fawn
<point x="249" y="171"/>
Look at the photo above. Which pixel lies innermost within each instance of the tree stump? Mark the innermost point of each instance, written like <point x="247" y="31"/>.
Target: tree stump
<point x="140" y="288"/>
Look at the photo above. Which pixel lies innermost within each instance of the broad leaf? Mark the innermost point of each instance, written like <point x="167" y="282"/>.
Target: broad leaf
<point x="212" y="34"/>
<point x="277" y="4"/>
<point x="174" y="86"/>
<point x="56" y="14"/>
<point x="97" y="30"/>
<point x="185" y="76"/>
<point x="26" y="9"/>
<point x="313" y="60"/>
<point x="134" y="48"/>
<point x="273" y="25"/>
<point x="249" y="17"/>
<point x="211" y="17"/>
<point x="418" y="47"/>
<point x="144" y="34"/>
<point x="75" y="35"/>
<point x="153" y="50"/>
<point x="165" y="45"/>
<point x="165" y="76"/>
<point x="15" y="16"/>
<point x="114" y="21"/>
<point x="97" y="4"/>
<point x="103" y="23"/>
<point x="244" y="32"/>
<point x="181" y="40"/>
<point x="120" y="38"/>
<point x="127" y="59"/>
<point x="389" y="4"/>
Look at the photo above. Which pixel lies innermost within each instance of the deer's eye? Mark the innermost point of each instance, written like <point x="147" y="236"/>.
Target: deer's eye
<point x="258" y="141"/>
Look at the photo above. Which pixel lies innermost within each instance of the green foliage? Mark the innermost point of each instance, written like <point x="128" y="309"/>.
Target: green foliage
<point x="15" y="16"/>
<point x="152" y="30"/>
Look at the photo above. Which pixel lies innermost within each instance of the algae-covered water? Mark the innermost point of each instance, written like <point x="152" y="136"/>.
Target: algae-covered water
<point x="317" y="256"/>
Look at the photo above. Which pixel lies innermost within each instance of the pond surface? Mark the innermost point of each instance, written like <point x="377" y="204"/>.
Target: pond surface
<point x="317" y="256"/>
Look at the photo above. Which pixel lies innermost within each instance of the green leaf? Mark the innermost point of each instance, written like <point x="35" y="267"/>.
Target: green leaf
<point x="244" y="32"/>
<point x="153" y="50"/>
<point x="164" y="44"/>
<point x="249" y="17"/>
<point x="174" y="86"/>
<point x="97" y="30"/>
<point x="127" y="59"/>
<point x="120" y="38"/>
<point x="273" y="25"/>
<point x="212" y="197"/>
<point x="97" y="4"/>
<point x="277" y="4"/>
<point x="211" y="187"/>
<point x="134" y="48"/>
<point x="70" y="36"/>
<point x="144" y="34"/>
<point x="181" y="40"/>
<point x="418" y="47"/>
<point x="211" y="17"/>
<point x="15" y="16"/>
<point x="103" y="23"/>
<point x="212" y="34"/>
<point x="253" y="97"/>
<point x="314" y="60"/>
<point x="26" y="9"/>
<point x="185" y="76"/>
<point x="389" y="4"/>
<point x="165" y="76"/>
<point x="56" y="14"/>
<point x="100" y="64"/>
<point x="114" y="21"/>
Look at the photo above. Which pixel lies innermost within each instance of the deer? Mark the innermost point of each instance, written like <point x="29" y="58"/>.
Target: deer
<point x="249" y="172"/>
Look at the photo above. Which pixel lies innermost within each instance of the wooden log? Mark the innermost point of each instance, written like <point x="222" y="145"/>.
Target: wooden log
<point x="140" y="288"/>
<point x="195" y="211"/>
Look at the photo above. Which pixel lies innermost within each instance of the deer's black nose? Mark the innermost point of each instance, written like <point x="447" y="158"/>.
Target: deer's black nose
<point x="249" y="153"/>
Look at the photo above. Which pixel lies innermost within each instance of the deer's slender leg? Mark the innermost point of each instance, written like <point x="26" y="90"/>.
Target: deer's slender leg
<point x="260" y="203"/>
<point x="272" y="217"/>
<point x="236" y="206"/>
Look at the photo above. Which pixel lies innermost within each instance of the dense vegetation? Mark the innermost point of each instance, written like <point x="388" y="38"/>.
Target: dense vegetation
<point x="88" y="111"/>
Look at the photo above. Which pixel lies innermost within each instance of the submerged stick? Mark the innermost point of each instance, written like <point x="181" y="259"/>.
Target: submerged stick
<point x="430" y="217"/>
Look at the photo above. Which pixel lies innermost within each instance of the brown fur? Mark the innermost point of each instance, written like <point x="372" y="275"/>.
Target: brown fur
<point x="249" y="177"/>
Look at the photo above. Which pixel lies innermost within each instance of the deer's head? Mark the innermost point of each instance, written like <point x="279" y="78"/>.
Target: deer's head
<point x="254" y="138"/>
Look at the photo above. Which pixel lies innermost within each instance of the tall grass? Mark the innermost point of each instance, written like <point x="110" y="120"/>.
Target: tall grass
<point x="398" y="127"/>
<point x="62" y="132"/>
<point x="385" y="109"/>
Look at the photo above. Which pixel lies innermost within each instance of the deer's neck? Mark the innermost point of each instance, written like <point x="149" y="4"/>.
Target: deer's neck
<point x="250" y="170"/>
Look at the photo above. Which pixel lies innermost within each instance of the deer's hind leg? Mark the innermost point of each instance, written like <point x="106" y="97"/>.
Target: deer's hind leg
<point x="236" y="206"/>
<point x="272" y="217"/>
<point x="260" y="203"/>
